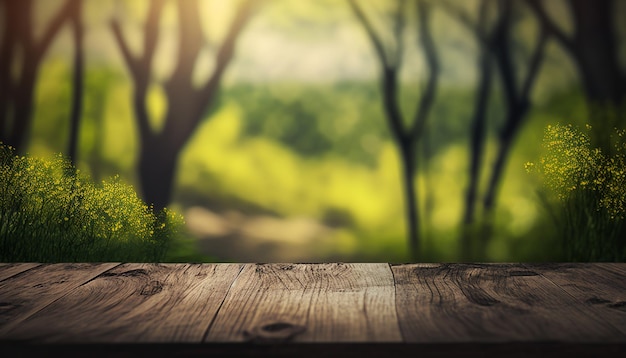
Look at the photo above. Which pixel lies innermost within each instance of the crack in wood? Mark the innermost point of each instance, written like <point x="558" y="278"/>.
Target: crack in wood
<point x="596" y="301"/>
<point x="129" y="273"/>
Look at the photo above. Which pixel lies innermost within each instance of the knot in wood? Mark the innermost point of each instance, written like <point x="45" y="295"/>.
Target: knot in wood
<point x="621" y="305"/>
<point x="273" y="332"/>
<point x="152" y="288"/>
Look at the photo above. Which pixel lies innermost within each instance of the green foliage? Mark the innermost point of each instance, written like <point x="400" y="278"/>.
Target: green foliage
<point x="314" y="120"/>
<point x="590" y="186"/>
<point x="299" y="149"/>
<point x="51" y="212"/>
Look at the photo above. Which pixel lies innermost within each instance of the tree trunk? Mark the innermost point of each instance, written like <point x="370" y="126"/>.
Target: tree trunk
<point x="157" y="168"/>
<point x="477" y="136"/>
<point x="6" y="57"/>
<point x="477" y="145"/>
<point x="16" y="99"/>
<point x="597" y="58"/>
<point x="505" y="145"/>
<point x="160" y="149"/>
<point x="407" y="157"/>
<point x="77" y="94"/>
<point x="594" y="49"/>
<point x="23" y="107"/>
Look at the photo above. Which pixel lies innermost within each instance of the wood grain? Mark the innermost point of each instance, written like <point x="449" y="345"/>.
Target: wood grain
<point x="23" y="295"/>
<point x="483" y="308"/>
<point x="309" y="303"/>
<point x="8" y="270"/>
<point x="490" y="303"/>
<point x="599" y="288"/>
<point x="136" y="303"/>
<point x="617" y="267"/>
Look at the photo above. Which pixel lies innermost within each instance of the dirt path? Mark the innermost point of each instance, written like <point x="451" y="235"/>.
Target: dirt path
<point x="232" y="236"/>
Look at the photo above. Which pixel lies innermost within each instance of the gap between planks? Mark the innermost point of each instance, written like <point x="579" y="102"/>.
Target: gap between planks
<point x="9" y="270"/>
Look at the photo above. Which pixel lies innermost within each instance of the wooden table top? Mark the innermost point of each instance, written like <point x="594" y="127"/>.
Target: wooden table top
<point x="274" y="309"/>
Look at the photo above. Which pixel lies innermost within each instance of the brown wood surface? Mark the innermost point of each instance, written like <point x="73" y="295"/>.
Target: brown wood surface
<point x="309" y="303"/>
<point x="537" y="308"/>
<point x="24" y="295"/>
<point x="135" y="303"/>
<point x="599" y="289"/>
<point x="492" y="303"/>
<point x="8" y="270"/>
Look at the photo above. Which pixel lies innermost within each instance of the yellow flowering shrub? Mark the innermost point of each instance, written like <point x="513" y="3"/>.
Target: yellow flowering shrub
<point x="51" y="212"/>
<point x="591" y="187"/>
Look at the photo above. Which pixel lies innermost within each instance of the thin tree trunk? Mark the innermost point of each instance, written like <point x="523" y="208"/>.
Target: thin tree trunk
<point x="477" y="144"/>
<point x="425" y="168"/>
<point x="517" y="99"/>
<point x="477" y="136"/>
<point x="23" y="108"/>
<point x="77" y="94"/>
<point x="405" y="137"/>
<point x="506" y="143"/>
<point x="407" y="154"/>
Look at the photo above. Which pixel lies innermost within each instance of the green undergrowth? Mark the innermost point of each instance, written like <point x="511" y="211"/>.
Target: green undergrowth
<point x="51" y="212"/>
<point x="586" y="192"/>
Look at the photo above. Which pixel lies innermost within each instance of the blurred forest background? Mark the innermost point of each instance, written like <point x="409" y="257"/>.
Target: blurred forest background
<point x="318" y="130"/>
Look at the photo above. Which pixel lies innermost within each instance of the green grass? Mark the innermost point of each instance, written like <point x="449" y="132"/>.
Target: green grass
<point x="51" y="212"/>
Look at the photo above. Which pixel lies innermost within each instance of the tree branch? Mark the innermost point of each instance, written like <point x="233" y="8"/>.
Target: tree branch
<point x="189" y="45"/>
<point x="376" y="41"/>
<point x="432" y="60"/>
<point x="130" y="61"/>
<point x="52" y="29"/>
<point x="77" y="80"/>
<point x="389" y="78"/>
<point x="246" y="9"/>
<point x="398" y="31"/>
<point x="499" y="46"/>
<point x="550" y="26"/>
<point x="227" y="49"/>
<point x="535" y="63"/>
<point x="151" y="31"/>
<point x="464" y="18"/>
<point x="139" y="67"/>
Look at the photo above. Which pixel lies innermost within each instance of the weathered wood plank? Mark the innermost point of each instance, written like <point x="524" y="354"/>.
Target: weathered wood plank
<point x="617" y="267"/>
<point x="309" y="303"/>
<point x="599" y="287"/>
<point x="8" y="270"/>
<point x="490" y="303"/>
<point x="23" y="295"/>
<point x="135" y="303"/>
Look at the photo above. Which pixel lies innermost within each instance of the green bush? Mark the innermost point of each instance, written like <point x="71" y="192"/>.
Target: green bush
<point x="51" y="212"/>
<point x="590" y="188"/>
